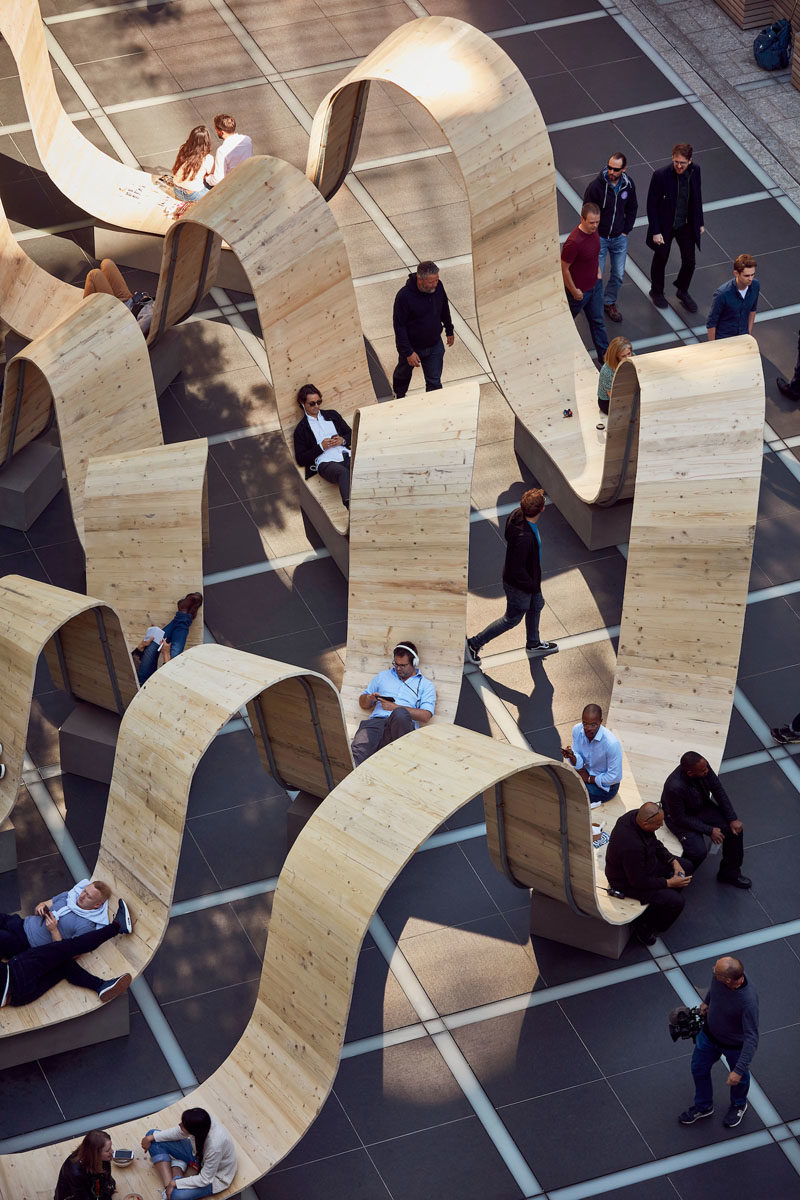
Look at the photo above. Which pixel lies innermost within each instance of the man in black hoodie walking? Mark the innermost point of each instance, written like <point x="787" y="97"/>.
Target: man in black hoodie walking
<point x="421" y="309"/>
<point x="522" y="579"/>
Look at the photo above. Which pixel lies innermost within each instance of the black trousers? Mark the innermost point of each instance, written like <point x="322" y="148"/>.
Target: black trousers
<point x="664" y="905"/>
<point x="36" y="970"/>
<point x="338" y="473"/>
<point x="696" y="848"/>
<point x="685" y="239"/>
<point x="12" y="935"/>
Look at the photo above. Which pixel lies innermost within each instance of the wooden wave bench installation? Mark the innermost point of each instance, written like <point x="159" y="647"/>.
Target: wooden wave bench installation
<point x="299" y="730"/>
<point x="409" y="509"/>
<point x="276" y="1079"/>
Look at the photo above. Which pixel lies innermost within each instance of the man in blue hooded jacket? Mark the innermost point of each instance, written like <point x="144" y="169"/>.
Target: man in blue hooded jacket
<point x="421" y="310"/>
<point x="614" y="192"/>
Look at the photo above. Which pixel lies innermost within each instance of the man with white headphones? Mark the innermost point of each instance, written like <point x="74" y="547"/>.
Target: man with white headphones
<point x="400" y="699"/>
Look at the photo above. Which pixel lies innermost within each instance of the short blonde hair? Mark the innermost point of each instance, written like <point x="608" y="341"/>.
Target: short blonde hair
<point x="613" y="356"/>
<point x="103" y="888"/>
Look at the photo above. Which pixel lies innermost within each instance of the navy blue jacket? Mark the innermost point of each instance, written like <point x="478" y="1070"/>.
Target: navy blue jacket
<point x="418" y="317"/>
<point x="662" y="198"/>
<point x="618" y="209"/>
<point x="730" y="313"/>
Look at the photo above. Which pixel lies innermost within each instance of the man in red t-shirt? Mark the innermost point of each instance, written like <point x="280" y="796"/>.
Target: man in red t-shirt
<point x="580" y="257"/>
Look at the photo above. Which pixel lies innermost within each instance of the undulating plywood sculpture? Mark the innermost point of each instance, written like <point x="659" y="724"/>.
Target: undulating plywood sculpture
<point x="31" y="300"/>
<point x="86" y="654"/>
<point x="409" y="551"/>
<point x="487" y="114"/>
<point x="299" y="730"/>
<point x="273" y="1084"/>
<point x="93" y="368"/>
<point x="146" y="523"/>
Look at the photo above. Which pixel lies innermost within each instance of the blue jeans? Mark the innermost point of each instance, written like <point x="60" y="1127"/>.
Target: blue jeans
<point x="432" y="360"/>
<point x="176" y="633"/>
<point x="617" y="248"/>
<point x="148" y="662"/>
<point x="592" y="305"/>
<point x="598" y="793"/>
<point x="183" y="1150"/>
<point x="182" y="194"/>
<point x="519" y="604"/>
<point x="706" y="1053"/>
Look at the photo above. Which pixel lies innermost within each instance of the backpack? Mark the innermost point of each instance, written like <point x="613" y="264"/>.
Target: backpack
<point x="772" y="49"/>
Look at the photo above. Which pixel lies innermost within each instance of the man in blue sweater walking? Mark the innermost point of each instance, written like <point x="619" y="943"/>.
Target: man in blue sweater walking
<point x="421" y="310"/>
<point x="733" y="309"/>
<point x="730" y="1030"/>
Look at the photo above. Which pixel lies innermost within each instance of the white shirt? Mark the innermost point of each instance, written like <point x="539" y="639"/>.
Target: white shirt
<point x="234" y="149"/>
<point x="322" y="428"/>
<point x="602" y="756"/>
<point x="219" y="1158"/>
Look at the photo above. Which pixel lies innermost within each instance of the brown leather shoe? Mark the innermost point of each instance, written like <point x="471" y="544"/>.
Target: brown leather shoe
<point x="612" y="312"/>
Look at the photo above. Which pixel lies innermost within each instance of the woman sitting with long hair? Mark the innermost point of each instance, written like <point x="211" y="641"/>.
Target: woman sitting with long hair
<point x="87" y="1171"/>
<point x="193" y="162"/>
<point x="204" y="1147"/>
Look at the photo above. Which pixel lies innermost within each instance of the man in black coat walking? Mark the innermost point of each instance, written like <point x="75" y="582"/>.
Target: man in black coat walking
<point x="522" y="579"/>
<point x="675" y="213"/>
<point x="421" y="310"/>
<point x="696" y="806"/>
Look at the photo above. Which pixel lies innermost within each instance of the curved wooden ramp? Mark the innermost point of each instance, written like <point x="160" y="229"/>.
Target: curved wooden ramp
<point x="93" y="369"/>
<point x="298" y="726"/>
<point x="91" y="179"/>
<point x="276" y="1079"/>
<point x="487" y="114"/>
<point x="146" y="523"/>
<point x="86" y="654"/>
<point x="409" y="548"/>
<point x="31" y="300"/>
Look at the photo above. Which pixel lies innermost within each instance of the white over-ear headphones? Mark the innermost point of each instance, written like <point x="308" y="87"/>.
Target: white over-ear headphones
<point x="413" y="653"/>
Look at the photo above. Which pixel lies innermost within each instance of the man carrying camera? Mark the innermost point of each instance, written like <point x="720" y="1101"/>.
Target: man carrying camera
<point x="730" y="1008"/>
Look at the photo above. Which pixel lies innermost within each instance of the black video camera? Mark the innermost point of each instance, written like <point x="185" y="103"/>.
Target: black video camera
<point x="685" y="1023"/>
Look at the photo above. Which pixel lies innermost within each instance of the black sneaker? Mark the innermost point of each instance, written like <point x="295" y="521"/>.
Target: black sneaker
<point x="644" y="936"/>
<point x="542" y="648"/>
<point x="686" y="300"/>
<point x="733" y="1116"/>
<point x="695" y="1114"/>
<point x="786" y="389"/>
<point x="785" y="734"/>
<point x="472" y="653"/>
<point x="123" y="918"/>
<point x="659" y="299"/>
<point x="114" y="988"/>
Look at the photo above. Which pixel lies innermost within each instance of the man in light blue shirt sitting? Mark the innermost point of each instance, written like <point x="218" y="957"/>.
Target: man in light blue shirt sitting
<point x="400" y="699"/>
<point x="596" y="754"/>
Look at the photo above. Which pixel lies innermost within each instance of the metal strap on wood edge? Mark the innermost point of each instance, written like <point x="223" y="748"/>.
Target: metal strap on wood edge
<point x="112" y="673"/>
<point x="62" y="661"/>
<point x="563" y="831"/>
<point x="273" y="768"/>
<point x="501" y="838"/>
<point x="323" y="751"/>
<point x="17" y="408"/>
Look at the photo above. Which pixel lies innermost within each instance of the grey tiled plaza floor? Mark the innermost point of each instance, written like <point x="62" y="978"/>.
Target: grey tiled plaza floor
<point x="553" y="1072"/>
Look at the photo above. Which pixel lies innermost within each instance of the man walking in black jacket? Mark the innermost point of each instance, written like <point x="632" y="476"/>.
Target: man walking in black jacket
<point x="674" y="212"/>
<point x="522" y="580"/>
<point x="696" y="806"/>
<point x="640" y="866"/>
<point x="421" y="309"/>
<point x="615" y="193"/>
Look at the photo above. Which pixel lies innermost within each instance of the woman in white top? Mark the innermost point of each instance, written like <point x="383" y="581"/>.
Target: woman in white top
<point x="193" y="162"/>
<point x="196" y="1158"/>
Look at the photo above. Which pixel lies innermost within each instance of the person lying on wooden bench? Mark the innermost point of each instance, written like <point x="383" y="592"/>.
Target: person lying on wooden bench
<point x="401" y="699"/>
<point x="32" y="972"/>
<point x="80" y="910"/>
<point x="322" y="441"/>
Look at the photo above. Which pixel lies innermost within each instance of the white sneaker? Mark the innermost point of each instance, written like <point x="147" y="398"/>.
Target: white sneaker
<point x="2" y="768"/>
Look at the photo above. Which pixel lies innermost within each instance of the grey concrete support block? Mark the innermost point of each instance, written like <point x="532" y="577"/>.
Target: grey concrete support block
<point x="299" y="812"/>
<point x="111" y="1020"/>
<point x="143" y="250"/>
<point x="28" y="483"/>
<point x="88" y="741"/>
<point x="596" y="527"/>
<point x="554" y="920"/>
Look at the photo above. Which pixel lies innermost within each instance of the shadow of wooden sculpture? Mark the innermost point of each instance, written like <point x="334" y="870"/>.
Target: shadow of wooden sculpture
<point x="86" y="654"/>
<point x="276" y="1079"/>
<point x="297" y="723"/>
<point x="409" y="550"/>
<point x="146" y="524"/>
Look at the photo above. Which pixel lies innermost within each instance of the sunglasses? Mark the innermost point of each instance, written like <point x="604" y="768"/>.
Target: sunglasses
<point x="314" y="403"/>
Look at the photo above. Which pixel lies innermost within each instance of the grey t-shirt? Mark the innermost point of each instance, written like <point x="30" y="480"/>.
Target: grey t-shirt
<point x="70" y="925"/>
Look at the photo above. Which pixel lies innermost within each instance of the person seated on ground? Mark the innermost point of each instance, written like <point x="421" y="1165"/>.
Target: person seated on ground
<point x="322" y="441"/>
<point x="193" y="162"/>
<point x="31" y="973"/>
<point x="619" y="348"/>
<point x="108" y="279"/>
<point x="235" y="148"/>
<point x="696" y="806"/>
<point x="596" y="754"/>
<point x="86" y="1174"/>
<point x="80" y="910"/>
<point x="170" y="641"/>
<point x="400" y="699"/>
<point x="639" y="866"/>
<point x="203" y="1145"/>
